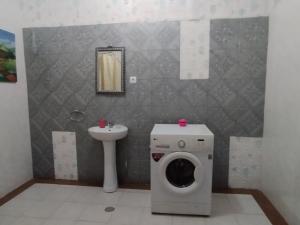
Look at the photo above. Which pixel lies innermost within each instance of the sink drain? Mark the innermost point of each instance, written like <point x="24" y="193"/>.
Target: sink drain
<point x="109" y="209"/>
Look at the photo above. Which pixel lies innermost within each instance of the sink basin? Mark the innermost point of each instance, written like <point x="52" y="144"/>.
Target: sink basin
<point x="108" y="134"/>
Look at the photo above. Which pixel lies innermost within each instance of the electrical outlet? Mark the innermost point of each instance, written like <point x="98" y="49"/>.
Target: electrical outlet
<point x="132" y="80"/>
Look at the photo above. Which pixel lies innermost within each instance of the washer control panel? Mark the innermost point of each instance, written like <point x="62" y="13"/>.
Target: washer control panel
<point x="185" y="144"/>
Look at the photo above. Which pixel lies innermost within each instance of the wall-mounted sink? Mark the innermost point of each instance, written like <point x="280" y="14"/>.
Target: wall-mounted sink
<point x="108" y="136"/>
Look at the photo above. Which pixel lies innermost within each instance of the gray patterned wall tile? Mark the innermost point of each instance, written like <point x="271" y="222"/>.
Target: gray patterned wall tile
<point x="218" y="118"/>
<point x="225" y="34"/>
<point x="166" y="63"/>
<point x="231" y="102"/>
<point x="62" y="93"/>
<point x="75" y="103"/>
<point x="252" y="61"/>
<point x="133" y="168"/>
<point x="63" y="117"/>
<point x="224" y="63"/>
<point x="251" y="123"/>
<point x="43" y="166"/>
<point x="83" y="38"/>
<point x="52" y="125"/>
<point x="167" y="35"/>
<point x="136" y="35"/>
<point x="136" y="94"/>
<point x="139" y="64"/>
<point x="221" y="151"/>
<point x="90" y="160"/>
<point x="194" y="92"/>
<point x="52" y="106"/>
<point x="40" y="37"/>
<point x="220" y="177"/>
<point x="111" y="35"/>
<point x="254" y="33"/>
<point x="60" y="42"/>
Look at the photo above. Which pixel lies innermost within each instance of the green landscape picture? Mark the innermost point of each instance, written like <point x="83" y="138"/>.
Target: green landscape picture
<point x="8" y="71"/>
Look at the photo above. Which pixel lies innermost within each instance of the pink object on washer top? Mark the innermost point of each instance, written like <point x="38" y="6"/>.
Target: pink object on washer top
<point x="182" y="122"/>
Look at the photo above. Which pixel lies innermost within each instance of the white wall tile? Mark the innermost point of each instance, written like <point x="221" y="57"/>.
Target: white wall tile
<point x="194" y="49"/>
<point x="245" y="162"/>
<point x="65" y="155"/>
<point x="106" y="11"/>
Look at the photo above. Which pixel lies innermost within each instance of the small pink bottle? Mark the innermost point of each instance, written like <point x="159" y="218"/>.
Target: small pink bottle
<point x="182" y="122"/>
<point x="102" y="123"/>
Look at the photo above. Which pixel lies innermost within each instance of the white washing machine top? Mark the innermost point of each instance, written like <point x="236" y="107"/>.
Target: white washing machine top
<point x="172" y="137"/>
<point x="176" y="130"/>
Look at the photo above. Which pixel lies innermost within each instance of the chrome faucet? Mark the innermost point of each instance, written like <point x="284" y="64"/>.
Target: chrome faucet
<point x="110" y="124"/>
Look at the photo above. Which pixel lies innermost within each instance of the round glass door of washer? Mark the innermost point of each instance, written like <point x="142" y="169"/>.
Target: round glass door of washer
<point x="181" y="172"/>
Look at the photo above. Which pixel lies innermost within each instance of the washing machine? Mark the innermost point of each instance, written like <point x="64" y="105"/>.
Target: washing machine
<point x="181" y="169"/>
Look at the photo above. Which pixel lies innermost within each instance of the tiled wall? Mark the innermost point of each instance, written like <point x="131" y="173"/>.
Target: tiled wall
<point x="65" y="155"/>
<point x="61" y="78"/>
<point x="245" y="162"/>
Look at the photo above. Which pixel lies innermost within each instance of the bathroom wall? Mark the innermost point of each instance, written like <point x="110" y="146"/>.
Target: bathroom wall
<point x="281" y="155"/>
<point x="15" y="149"/>
<point x="15" y="138"/>
<point x="78" y="12"/>
<point x="61" y="78"/>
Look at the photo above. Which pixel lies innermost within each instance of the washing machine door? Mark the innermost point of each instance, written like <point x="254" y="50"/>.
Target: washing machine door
<point x="181" y="172"/>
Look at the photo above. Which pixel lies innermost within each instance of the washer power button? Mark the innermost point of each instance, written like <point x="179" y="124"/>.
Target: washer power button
<point x="181" y="144"/>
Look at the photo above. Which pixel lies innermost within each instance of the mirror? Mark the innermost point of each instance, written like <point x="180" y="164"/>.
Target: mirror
<point x="110" y="70"/>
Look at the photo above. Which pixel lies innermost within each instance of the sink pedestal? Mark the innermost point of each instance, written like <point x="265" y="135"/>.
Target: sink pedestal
<point x="110" y="169"/>
<point x="109" y="135"/>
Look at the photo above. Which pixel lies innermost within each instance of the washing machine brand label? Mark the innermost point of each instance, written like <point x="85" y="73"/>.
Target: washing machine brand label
<point x="157" y="156"/>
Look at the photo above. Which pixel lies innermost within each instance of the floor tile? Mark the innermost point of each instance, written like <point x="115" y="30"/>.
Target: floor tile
<point x="221" y="220"/>
<point x="41" y="209"/>
<point x="147" y="218"/>
<point x="108" y="199"/>
<point x="220" y="205"/>
<point x="84" y="194"/>
<point x="59" y="222"/>
<point x="88" y="223"/>
<point x="29" y="221"/>
<point x="61" y="193"/>
<point x="135" y="199"/>
<point x="243" y="219"/>
<point x="8" y="220"/>
<point x="188" y="220"/>
<point x="126" y="215"/>
<point x="244" y="204"/>
<point x="15" y="207"/>
<point x="37" y="192"/>
<point x="95" y="213"/>
<point x="69" y="210"/>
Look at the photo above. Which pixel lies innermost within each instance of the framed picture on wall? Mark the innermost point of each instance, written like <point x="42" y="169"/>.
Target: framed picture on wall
<point x="8" y="71"/>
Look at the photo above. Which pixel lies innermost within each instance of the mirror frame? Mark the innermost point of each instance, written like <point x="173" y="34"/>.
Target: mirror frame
<point x="106" y="49"/>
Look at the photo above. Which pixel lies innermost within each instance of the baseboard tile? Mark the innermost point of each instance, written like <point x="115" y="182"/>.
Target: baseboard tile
<point x="16" y="192"/>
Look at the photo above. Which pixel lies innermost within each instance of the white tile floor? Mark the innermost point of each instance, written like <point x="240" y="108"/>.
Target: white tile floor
<point x="48" y="204"/>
